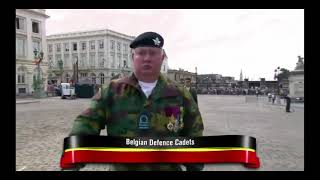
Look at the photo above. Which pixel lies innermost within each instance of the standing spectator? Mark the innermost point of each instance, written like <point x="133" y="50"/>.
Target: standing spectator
<point x="273" y="98"/>
<point x="269" y="97"/>
<point x="288" y="101"/>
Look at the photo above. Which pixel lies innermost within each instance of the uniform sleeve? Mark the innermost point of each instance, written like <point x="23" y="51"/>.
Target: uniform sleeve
<point x="193" y="125"/>
<point x="93" y="119"/>
<point x="194" y="94"/>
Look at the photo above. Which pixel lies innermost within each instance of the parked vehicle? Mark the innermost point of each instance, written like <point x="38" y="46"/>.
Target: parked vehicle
<point x="67" y="91"/>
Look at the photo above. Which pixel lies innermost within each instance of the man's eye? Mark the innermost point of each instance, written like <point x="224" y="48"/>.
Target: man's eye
<point x="152" y="53"/>
<point x="141" y="53"/>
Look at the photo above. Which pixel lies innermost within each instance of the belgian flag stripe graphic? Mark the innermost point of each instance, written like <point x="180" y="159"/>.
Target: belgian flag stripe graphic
<point x="206" y="149"/>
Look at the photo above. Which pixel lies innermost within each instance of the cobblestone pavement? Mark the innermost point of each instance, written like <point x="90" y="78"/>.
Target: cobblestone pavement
<point x="41" y="127"/>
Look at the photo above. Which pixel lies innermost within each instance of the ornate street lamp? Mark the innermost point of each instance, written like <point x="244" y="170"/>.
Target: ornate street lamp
<point x="276" y="76"/>
<point x="38" y="81"/>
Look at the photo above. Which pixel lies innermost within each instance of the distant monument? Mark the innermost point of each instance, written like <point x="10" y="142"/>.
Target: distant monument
<point x="300" y="64"/>
<point x="296" y="80"/>
<point x="241" y="77"/>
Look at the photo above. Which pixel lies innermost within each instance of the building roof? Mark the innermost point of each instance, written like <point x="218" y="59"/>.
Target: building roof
<point x="88" y="33"/>
<point x="41" y="12"/>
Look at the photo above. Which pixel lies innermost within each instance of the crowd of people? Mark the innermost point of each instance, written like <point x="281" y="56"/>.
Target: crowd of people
<point x="236" y="91"/>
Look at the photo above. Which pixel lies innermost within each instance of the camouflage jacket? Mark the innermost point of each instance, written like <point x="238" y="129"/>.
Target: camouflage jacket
<point x="119" y="106"/>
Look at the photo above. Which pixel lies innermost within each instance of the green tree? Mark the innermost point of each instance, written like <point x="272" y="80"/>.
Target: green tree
<point x="284" y="74"/>
<point x="37" y="85"/>
<point x="60" y="64"/>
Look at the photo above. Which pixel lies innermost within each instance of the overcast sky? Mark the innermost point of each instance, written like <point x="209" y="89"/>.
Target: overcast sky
<point x="215" y="41"/>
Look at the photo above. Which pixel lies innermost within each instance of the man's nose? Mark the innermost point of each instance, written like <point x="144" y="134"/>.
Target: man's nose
<point x="147" y="57"/>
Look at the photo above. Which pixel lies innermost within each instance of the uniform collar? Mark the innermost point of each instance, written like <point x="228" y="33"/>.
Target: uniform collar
<point x="163" y="88"/>
<point x="131" y="80"/>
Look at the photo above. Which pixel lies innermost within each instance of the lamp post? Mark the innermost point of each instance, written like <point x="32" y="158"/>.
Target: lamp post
<point x="38" y="81"/>
<point x="207" y="82"/>
<point x="276" y="76"/>
<point x="76" y="70"/>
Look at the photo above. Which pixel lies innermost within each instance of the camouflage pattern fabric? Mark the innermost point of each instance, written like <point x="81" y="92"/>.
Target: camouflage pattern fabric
<point x="171" y="110"/>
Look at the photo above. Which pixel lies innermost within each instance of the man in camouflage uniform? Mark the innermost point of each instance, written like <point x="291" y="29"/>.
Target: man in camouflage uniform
<point x="192" y="91"/>
<point x="120" y="106"/>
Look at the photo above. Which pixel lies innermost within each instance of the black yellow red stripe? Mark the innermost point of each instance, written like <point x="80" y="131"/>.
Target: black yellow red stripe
<point x="239" y="149"/>
<point x="198" y="142"/>
<point x="155" y="149"/>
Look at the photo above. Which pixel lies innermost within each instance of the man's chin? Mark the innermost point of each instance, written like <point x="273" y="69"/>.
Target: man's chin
<point x="147" y="72"/>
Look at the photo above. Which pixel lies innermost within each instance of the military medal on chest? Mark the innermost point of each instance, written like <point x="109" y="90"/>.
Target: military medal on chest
<point x="171" y="123"/>
<point x="174" y="115"/>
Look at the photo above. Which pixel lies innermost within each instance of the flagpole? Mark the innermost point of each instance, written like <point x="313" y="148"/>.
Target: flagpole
<point x="77" y="70"/>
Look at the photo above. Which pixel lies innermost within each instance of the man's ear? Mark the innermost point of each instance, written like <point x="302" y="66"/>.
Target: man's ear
<point x="162" y="57"/>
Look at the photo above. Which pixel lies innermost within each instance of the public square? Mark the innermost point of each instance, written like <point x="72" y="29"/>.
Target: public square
<point x="42" y="124"/>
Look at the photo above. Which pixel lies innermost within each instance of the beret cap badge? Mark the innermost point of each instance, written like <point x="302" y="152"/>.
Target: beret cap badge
<point x="156" y="41"/>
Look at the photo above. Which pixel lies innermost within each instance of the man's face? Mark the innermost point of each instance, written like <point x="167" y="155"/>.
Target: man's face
<point x="147" y="63"/>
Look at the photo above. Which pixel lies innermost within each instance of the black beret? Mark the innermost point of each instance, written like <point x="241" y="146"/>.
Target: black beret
<point x="147" y="39"/>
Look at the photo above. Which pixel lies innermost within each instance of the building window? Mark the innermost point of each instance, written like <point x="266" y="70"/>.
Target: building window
<point x="83" y="60"/>
<point x="74" y="45"/>
<point x="101" y="60"/>
<point x="118" y="46"/>
<point x="21" y="47"/>
<point x="21" y="75"/>
<point x="83" y="74"/>
<point x="74" y="59"/>
<point x="20" y="23"/>
<point x="125" y="65"/>
<point x="119" y="60"/>
<point x="35" y="27"/>
<point x="126" y="62"/>
<point x="101" y="78"/>
<point x="125" y="57"/>
<point x="101" y="44"/>
<point x="93" y="78"/>
<point x="36" y="45"/>
<point x="58" y="47"/>
<point x="92" y="45"/>
<point x="164" y="67"/>
<point x="92" y="60"/>
<point x="112" y="44"/>
<point x="66" y="47"/>
<point x="67" y="78"/>
<point x="83" y="46"/>
<point x="58" y="58"/>
<point x="22" y="90"/>
<point x="66" y="61"/>
<point x="50" y="62"/>
<point x="113" y="62"/>
<point x="50" y="48"/>
<point x="21" y="79"/>
<point x="125" y="48"/>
